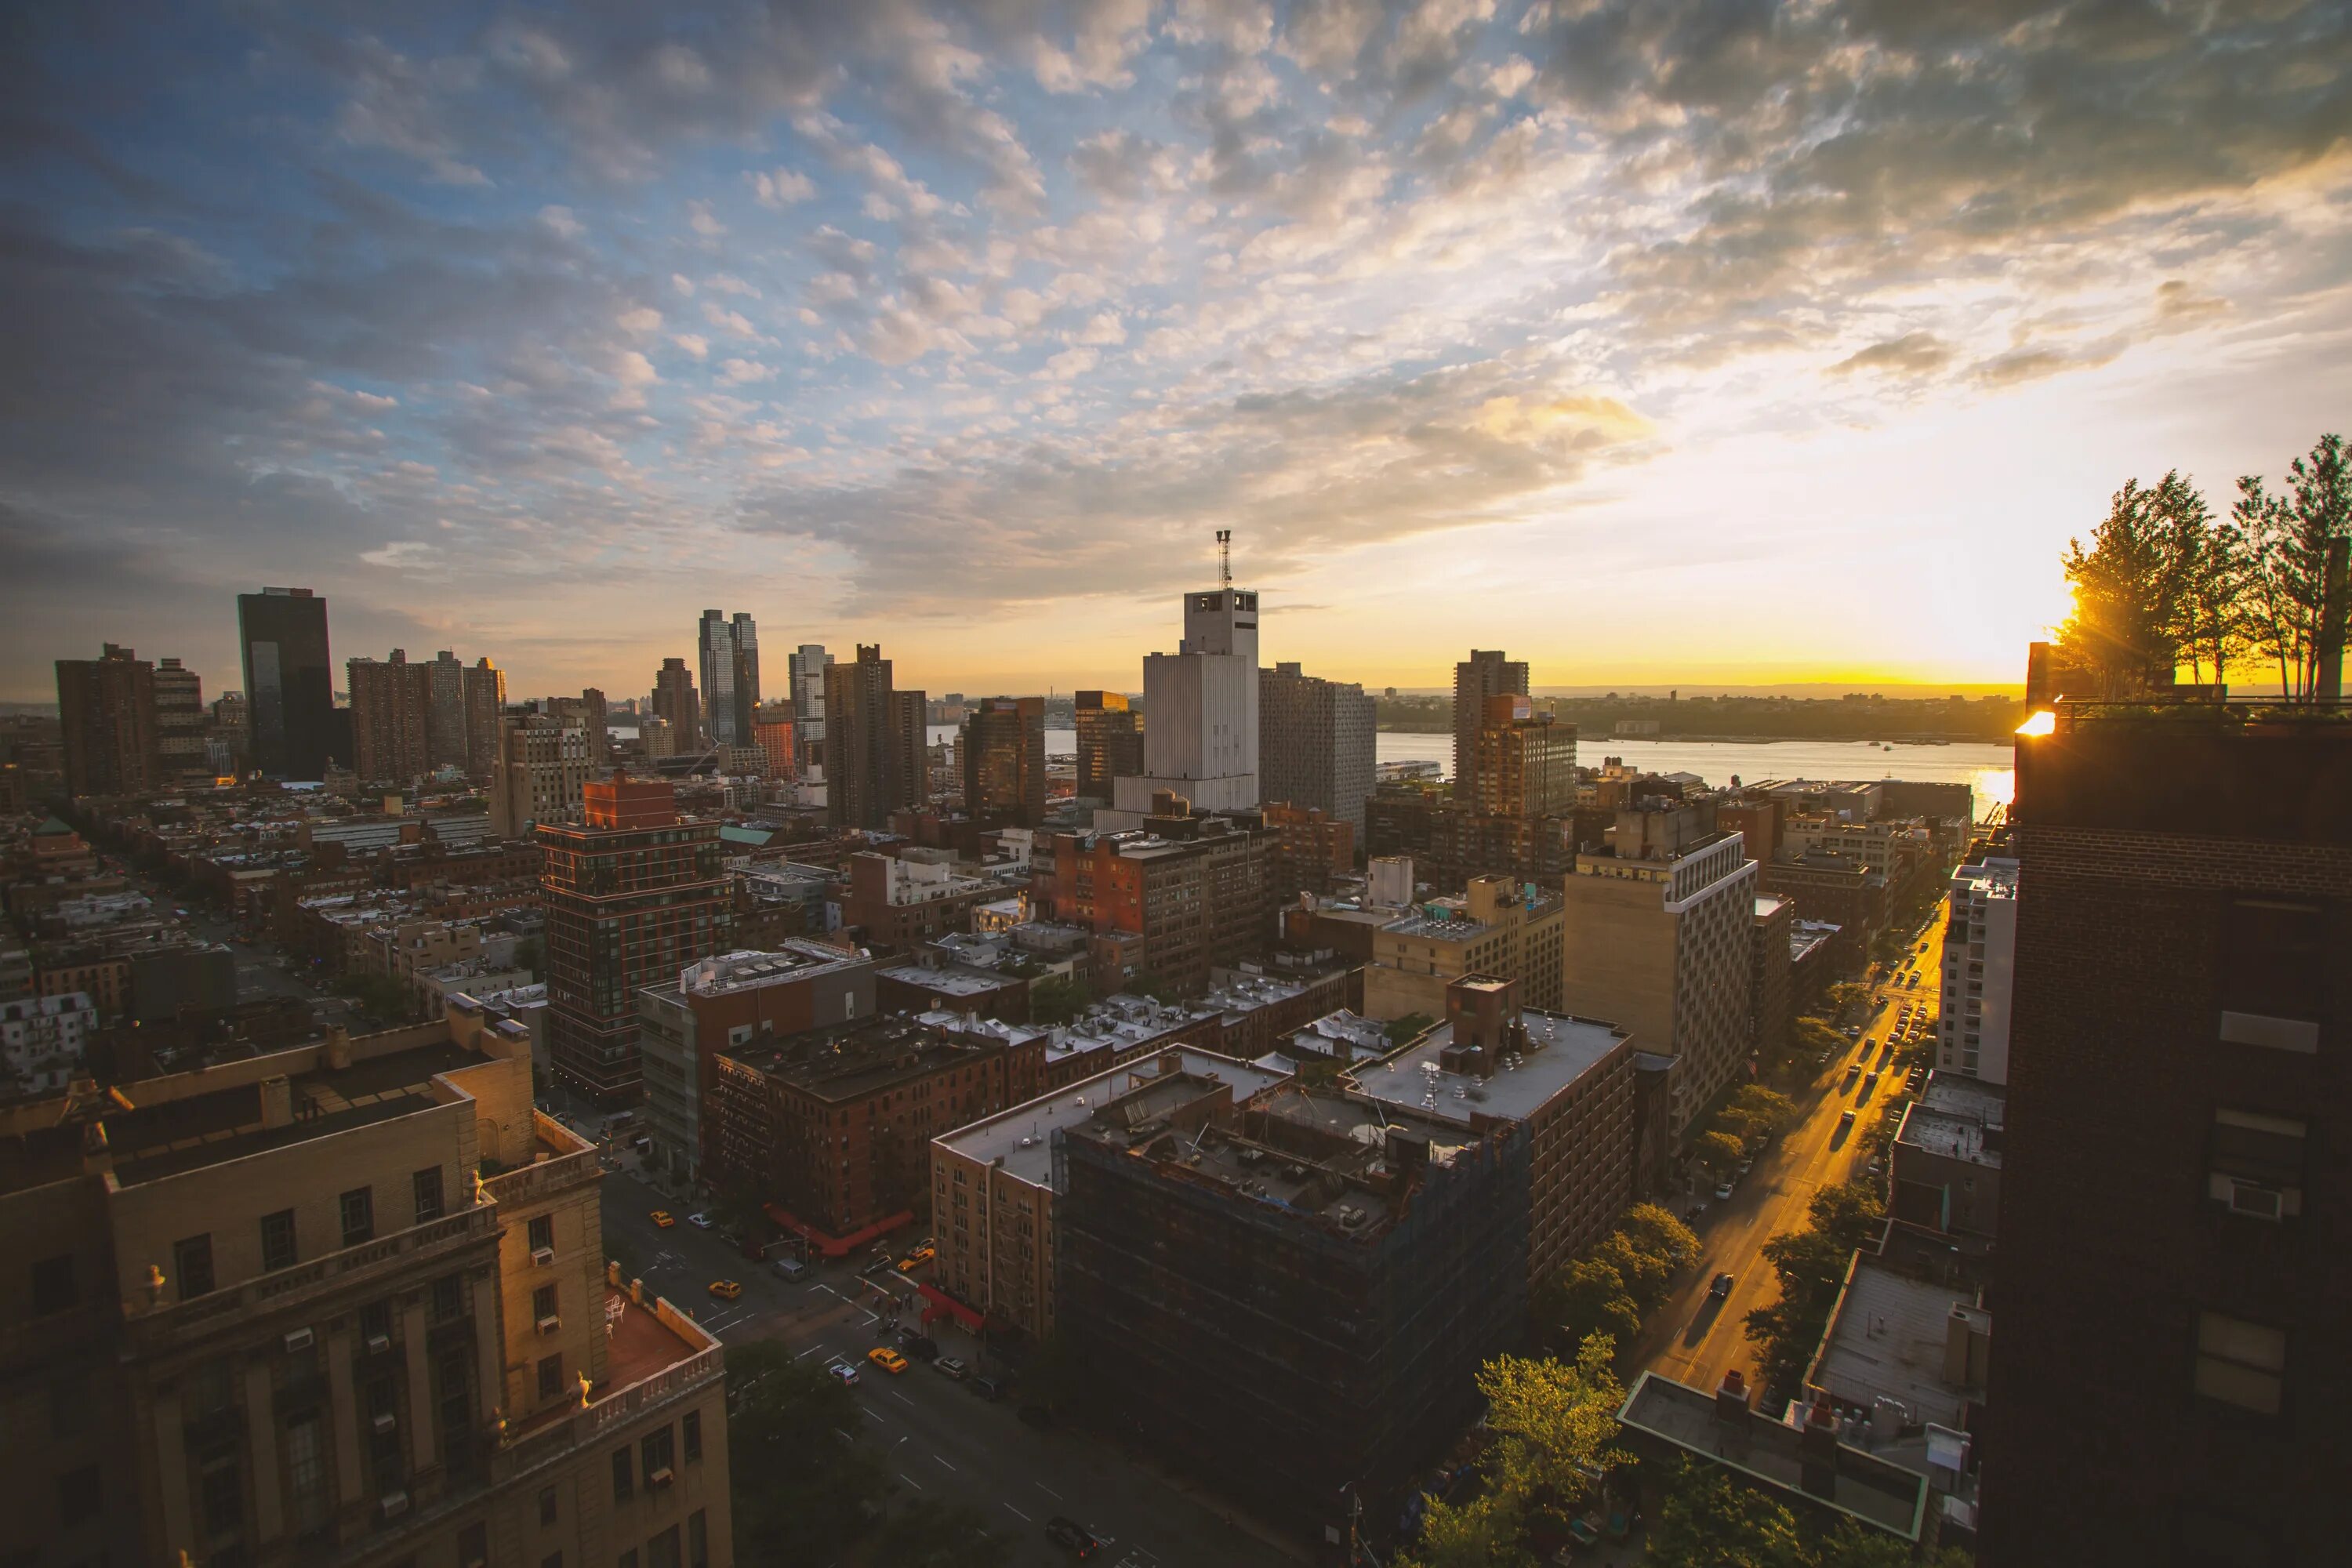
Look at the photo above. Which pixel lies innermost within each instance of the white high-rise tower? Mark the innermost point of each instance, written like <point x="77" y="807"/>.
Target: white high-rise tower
<point x="1199" y="713"/>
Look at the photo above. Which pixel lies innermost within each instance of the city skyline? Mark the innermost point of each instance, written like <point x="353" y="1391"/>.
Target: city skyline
<point x="950" y="329"/>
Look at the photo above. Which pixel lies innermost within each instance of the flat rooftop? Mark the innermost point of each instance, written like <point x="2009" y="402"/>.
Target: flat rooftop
<point x="1887" y="1342"/>
<point x="946" y="980"/>
<point x="749" y="969"/>
<point x="1560" y="1049"/>
<point x="1958" y="1117"/>
<point x="850" y="1061"/>
<point x="1345" y="1035"/>
<point x="1022" y="1137"/>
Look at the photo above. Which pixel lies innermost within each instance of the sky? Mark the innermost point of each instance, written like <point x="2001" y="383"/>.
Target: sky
<point x="1654" y="341"/>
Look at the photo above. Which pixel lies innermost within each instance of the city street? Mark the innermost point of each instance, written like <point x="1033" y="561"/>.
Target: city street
<point x="939" y="1438"/>
<point x="1694" y="1338"/>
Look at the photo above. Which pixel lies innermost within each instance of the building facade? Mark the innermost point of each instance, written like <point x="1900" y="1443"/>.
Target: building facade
<point x="485" y="703"/>
<point x="181" y="755"/>
<point x="289" y="690"/>
<point x="1486" y="673"/>
<point x="1979" y="975"/>
<point x="1524" y="763"/>
<point x="729" y="653"/>
<point x="1111" y="741"/>
<point x="106" y="707"/>
<point x="1004" y="763"/>
<point x="1316" y="741"/>
<point x="631" y="897"/>
<point x="1200" y="704"/>
<point x="541" y="775"/>
<point x="1497" y="928"/>
<point x="675" y="703"/>
<point x="875" y="743"/>
<point x="806" y="666"/>
<point x="392" y="718"/>
<point x="1771" y="983"/>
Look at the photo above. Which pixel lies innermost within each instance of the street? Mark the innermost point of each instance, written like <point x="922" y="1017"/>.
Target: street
<point x="939" y="1438"/>
<point x="1696" y="1337"/>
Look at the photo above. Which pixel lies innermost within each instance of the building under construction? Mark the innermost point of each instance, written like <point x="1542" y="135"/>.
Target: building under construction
<point x="1290" y="1296"/>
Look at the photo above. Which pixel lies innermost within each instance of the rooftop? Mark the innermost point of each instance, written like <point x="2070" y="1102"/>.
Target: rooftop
<point x="850" y="1061"/>
<point x="1342" y="1034"/>
<point x="749" y="969"/>
<point x="1959" y="1118"/>
<point x="947" y="979"/>
<point x="1560" y="1050"/>
<point x="1992" y="877"/>
<point x="1886" y="1340"/>
<point x="1022" y="1137"/>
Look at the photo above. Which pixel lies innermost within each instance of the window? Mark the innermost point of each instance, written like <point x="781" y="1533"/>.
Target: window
<point x="693" y="1424"/>
<point x="54" y="1288"/>
<point x="547" y="1505"/>
<point x="543" y="1302"/>
<point x="427" y="1184"/>
<point x="656" y="1451"/>
<point x="448" y="1298"/>
<point x="629" y="1558"/>
<point x="2271" y="960"/>
<point x="306" y="1471"/>
<point x="358" y="1215"/>
<point x="473" y="1544"/>
<point x="80" y="1495"/>
<point x="552" y="1560"/>
<point x="542" y="1233"/>
<point x="622" y="1474"/>
<point x="2256" y="1164"/>
<point x="375" y="1322"/>
<point x="277" y="1248"/>
<point x="2240" y="1364"/>
<point x="698" y="1540"/>
<point x="550" y="1375"/>
<point x="661" y="1552"/>
<point x="222" y="1489"/>
<point x="191" y="1260"/>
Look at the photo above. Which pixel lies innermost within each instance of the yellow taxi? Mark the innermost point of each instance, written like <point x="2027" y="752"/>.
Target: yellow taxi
<point x="662" y="1220"/>
<point x="889" y="1360"/>
<point x="726" y="1289"/>
<point x="917" y="1258"/>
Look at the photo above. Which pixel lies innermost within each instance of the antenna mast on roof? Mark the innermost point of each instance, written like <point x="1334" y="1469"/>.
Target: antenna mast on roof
<point x="1224" y="558"/>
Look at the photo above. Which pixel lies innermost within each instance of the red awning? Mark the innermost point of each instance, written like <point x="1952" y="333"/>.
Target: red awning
<point x="831" y="1246"/>
<point x="943" y="1305"/>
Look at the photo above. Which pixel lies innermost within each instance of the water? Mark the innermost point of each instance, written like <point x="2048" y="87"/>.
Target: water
<point x="1989" y="769"/>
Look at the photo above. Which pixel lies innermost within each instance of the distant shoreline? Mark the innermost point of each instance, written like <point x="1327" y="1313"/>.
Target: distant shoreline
<point x="1679" y="739"/>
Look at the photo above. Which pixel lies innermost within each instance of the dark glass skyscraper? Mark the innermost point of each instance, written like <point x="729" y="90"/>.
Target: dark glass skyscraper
<point x="730" y="659"/>
<point x="289" y="690"/>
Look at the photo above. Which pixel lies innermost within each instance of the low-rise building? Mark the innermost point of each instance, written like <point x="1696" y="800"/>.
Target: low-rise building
<point x="1119" y="1028"/>
<point x="1947" y="1156"/>
<point x="902" y="900"/>
<point x="42" y="1042"/>
<point x="1497" y="928"/>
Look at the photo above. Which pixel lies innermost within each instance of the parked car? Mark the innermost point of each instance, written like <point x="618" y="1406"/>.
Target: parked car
<point x="989" y="1388"/>
<point x="726" y="1289"/>
<point x="1072" y="1537"/>
<point x="662" y="1220"/>
<point x="1721" y="1288"/>
<point x="949" y="1366"/>
<point x="792" y="1269"/>
<point x="698" y="1221"/>
<point x="1723" y="1189"/>
<point x="921" y="1346"/>
<point x="889" y="1360"/>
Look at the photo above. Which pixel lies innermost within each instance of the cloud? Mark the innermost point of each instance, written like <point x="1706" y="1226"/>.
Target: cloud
<point x="780" y="188"/>
<point x="1911" y="354"/>
<point x="402" y="555"/>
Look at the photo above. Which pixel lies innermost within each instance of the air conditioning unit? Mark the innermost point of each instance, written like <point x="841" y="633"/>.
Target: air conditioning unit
<point x="384" y="1422"/>
<point x="543" y="1256"/>
<point x="2260" y="1202"/>
<point x="299" y="1339"/>
<point x="657" y="1477"/>
<point x="395" y="1504"/>
<point x="379" y="1343"/>
<point x="549" y="1324"/>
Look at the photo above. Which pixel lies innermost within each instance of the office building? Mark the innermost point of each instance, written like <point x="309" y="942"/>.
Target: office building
<point x="588" y="713"/>
<point x="675" y="703"/>
<point x="181" y="756"/>
<point x="1184" y="896"/>
<point x="875" y="743"/>
<point x="289" y="690"/>
<point x="730" y="654"/>
<point x="734" y="999"/>
<point x="392" y="714"/>
<point x="1659" y="937"/>
<point x="806" y="666"/>
<point x="107" y="710"/>
<point x="485" y="703"/>
<point x="1485" y="674"/>
<point x="774" y="729"/>
<point x="1291" y="1294"/>
<point x="541" y="771"/>
<point x="1979" y="971"/>
<point x="2173" y="1292"/>
<point x="656" y="738"/>
<point x="1497" y="928"/>
<point x="631" y="896"/>
<point x="1771" y="986"/>
<point x="1570" y="1082"/>
<point x="1199" y="740"/>
<point x="993" y="1184"/>
<point x="343" y="1303"/>
<point x="1315" y="743"/>
<point x="1524" y="763"/>
<point x="1111" y="741"/>
<point x="1004" y="763"/>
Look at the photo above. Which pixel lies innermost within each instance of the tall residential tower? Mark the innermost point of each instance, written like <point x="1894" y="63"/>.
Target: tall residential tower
<point x="289" y="691"/>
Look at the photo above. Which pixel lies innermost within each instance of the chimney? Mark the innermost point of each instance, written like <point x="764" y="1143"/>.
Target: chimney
<point x="2331" y="622"/>
<point x="1731" y="1400"/>
<point x="613" y="1272"/>
<point x="637" y="1291"/>
<point x="276" y="1101"/>
<point x="338" y="1047"/>
<point x="1817" y="1449"/>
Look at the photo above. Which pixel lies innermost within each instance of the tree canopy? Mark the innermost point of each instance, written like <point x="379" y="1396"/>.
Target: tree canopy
<point x="802" y="1491"/>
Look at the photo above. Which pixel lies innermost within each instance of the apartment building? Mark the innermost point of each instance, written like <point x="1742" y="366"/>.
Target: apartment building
<point x="1111" y="741"/>
<point x="1316" y="743"/>
<point x="1979" y="976"/>
<point x="342" y="1304"/>
<point x="1486" y="673"/>
<point x="540" y="771"/>
<point x="902" y="901"/>
<point x="1525" y="761"/>
<point x="1497" y="928"/>
<point x="1192" y="891"/>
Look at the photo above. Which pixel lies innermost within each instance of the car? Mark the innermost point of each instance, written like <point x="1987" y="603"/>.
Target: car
<point x="949" y="1366"/>
<point x="919" y="1344"/>
<point x="792" y="1267"/>
<point x="662" y="1220"/>
<point x="1869" y="1044"/>
<point x="1746" y="1166"/>
<point x="1072" y="1537"/>
<point x="698" y="1221"/>
<point x="1853" y="1076"/>
<point x="917" y="1258"/>
<point x="889" y="1360"/>
<point x="726" y="1289"/>
<point x="1845" y="1121"/>
<point x="842" y="1372"/>
<point x="989" y="1388"/>
<point x="1723" y="1190"/>
<point x="1721" y="1288"/>
<point x="1870" y="1082"/>
<point x="1914" y="981"/>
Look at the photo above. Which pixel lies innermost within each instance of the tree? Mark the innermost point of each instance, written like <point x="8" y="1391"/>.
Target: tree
<point x="1589" y="1296"/>
<point x="1487" y="1532"/>
<point x="802" y="1491"/>
<point x="1811" y="1265"/>
<point x="1653" y="1230"/>
<point x="1776" y="1110"/>
<point x="1059" y="998"/>
<point x="1818" y="1037"/>
<point x="2288" y="539"/>
<point x="1412" y="1026"/>
<point x="1848" y="994"/>
<point x="927" y="1534"/>
<point x="1706" y="1522"/>
<point x="2121" y="628"/>
<point x="1719" y="1152"/>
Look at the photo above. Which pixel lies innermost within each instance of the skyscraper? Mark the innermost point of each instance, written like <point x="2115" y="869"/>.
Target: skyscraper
<point x="673" y="700"/>
<point x="1486" y="673"/>
<point x="486" y="701"/>
<point x="2172" y="1292"/>
<point x="730" y="654"/>
<point x="805" y="668"/>
<point x="289" y="690"/>
<point x="1004" y="763"/>
<point x="1111" y="741"/>
<point x="1524" y="765"/>
<point x="1316" y="743"/>
<point x="875" y="745"/>
<point x="181" y="756"/>
<point x="392" y="708"/>
<point x="446" y="726"/>
<point x="107" y="706"/>
<point x="1200" y="738"/>
<point x="632" y="897"/>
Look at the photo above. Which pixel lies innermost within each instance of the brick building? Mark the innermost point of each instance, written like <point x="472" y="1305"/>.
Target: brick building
<point x="2173" y="1287"/>
<point x="1310" y="848"/>
<point x="107" y="710"/>
<point x="902" y="901"/>
<point x="1193" y="890"/>
<point x="1497" y="928"/>
<point x="1772" y="1000"/>
<point x="392" y="718"/>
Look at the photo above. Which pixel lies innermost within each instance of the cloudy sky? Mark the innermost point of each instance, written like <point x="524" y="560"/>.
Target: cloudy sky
<point x="1709" y="340"/>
